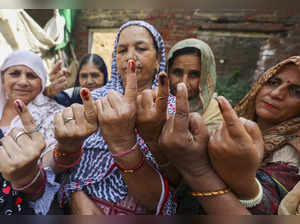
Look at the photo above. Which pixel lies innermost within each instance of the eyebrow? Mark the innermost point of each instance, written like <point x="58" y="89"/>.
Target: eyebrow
<point x="136" y="43"/>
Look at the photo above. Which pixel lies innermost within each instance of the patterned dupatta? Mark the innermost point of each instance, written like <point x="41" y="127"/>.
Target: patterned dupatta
<point x="287" y="132"/>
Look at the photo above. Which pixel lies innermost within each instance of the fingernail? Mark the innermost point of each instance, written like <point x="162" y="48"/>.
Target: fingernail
<point x="162" y="79"/>
<point x="85" y="94"/>
<point x="18" y="104"/>
<point x="132" y="65"/>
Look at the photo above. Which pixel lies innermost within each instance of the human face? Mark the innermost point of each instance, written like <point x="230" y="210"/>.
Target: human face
<point x="279" y="99"/>
<point x="186" y="68"/>
<point x="90" y="77"/>
<point x="20" y="82"/>
<point x="136" y="43"/>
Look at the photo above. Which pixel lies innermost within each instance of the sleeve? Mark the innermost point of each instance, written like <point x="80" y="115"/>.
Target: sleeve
<point x="167" y="204"/>
<point x="43" y="204"/>
<point x="277" y="179"/>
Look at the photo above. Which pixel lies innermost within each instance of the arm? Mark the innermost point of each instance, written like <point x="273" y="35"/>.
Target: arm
<point x="81" y="204"/>
<point x="117" y="115"/>
<point x="150" y="120"/>
<point x="185" y="140"/>
<point x="236" y="150"/>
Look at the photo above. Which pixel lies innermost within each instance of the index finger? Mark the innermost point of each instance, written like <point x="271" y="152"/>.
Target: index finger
<point x="89" y="105"/>
<point x="55" y="70"/>
<point x="131" y="81"/>
<point x="26" y="118"/>
<point x="163" y="93"/>
<point x="181" y="117"/>
<point x="233" y="124"/>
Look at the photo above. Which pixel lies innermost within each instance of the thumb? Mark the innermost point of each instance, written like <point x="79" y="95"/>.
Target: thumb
<point x="90" y="111"/>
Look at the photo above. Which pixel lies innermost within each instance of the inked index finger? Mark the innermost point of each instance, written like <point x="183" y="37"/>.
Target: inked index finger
<point x="181" y="117"/>
<point x="163" y="93"/>
<point x="26" y="118"/>
<point x="234" y="125"/>
<point x="131" y="81"/>
<point x="90" y="110"/>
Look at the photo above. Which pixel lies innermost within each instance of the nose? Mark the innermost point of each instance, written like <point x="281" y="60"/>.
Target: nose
<point x="280" y="92"/>
<point x="23" y="80"/>
<point x="89" y="80"/>
<point x="185" y="80"/>
<point x="131" y="54"/>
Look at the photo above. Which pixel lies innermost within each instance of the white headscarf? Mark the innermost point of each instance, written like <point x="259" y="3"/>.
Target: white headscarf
<point x="30" y="60"/>
<point x="41" y="107"/>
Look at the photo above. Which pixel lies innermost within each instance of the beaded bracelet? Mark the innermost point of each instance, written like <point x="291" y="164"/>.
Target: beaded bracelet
<point x="121" y="154"/>
<point x="66" y="154"/>
<point x="64" y="165"/>
<point x="254" y="201"/>
<point x="133" y="170"/>
<point x="27" y="185"/>
<point x="210" y="194"/>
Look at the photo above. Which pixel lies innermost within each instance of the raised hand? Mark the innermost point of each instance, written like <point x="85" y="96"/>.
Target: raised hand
<point x="184" y="139"/>
<point x="58" y="79"/>
<point x="236" y="151"/>
<point x="117" y="114"/>
<point x="76" y="123"/>
<point x="152" y="106"/>
<point x="21" y="149"/>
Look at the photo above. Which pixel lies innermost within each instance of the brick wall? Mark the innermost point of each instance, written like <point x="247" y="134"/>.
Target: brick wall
<point x="248" y="41"/>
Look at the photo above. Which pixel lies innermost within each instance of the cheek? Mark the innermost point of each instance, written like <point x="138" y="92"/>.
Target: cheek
<point x="195" y="84"/>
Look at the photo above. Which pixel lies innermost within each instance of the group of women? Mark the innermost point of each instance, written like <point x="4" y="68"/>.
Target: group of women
<point x="147" y="141"/>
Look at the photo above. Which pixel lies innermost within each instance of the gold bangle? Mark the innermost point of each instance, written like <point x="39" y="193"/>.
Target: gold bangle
<point x="210" y="194"/>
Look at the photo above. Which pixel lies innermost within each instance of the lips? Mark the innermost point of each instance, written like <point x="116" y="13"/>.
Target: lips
<point x="271" y="106"/>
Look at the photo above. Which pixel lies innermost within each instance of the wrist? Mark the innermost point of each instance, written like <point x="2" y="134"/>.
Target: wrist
<point x="207" y="182"/>
<point x="125" y="144"/>
<point x="26" y="179"/>
<point x="246" y="189"/>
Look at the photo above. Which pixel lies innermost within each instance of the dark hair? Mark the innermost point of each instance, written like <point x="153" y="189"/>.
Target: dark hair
<point x="183" y="51"/>
<point x="97" y="61"/>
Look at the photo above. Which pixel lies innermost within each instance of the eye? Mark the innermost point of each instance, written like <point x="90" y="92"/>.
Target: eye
<point x="194" y="75"/>
<point x="14" y="73"/>
<point x="177" y="72"/>
<point x="273" y="82"/>
<point x="294" y="91"/>
<point x="95" y="75"/>
<point x="31" y="75"/>
<point x="84" y="75"/>
<point x="121" y="50"/>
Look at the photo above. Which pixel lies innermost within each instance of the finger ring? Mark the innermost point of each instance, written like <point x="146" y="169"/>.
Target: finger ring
<point x="68" y="119"/>
<point x="36" y="129"/>
<point x="18" y="135"/>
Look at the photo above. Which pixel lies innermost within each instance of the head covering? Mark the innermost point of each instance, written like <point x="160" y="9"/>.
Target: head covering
<point x="204" y="103"/>
<point x="208" y="72"/>
<point x="96" y="173"/>
<point x="283" y="133"/>
<point x="42" y="110"/>
<point x="30" y="60"/>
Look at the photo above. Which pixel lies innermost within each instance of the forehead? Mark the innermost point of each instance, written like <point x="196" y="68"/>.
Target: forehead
<point x="20" y="68"/>
<point x="89" y="67"/>
<point x="289" y="73"/>
<point x="133" y="34"/>
<point x="191" y="60"/>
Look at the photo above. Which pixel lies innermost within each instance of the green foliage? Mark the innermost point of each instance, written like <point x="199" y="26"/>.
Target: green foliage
<point x="233" y="87"/>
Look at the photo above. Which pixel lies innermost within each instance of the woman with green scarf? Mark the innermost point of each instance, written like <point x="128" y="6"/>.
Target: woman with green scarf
<point x="192" y="61"/>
